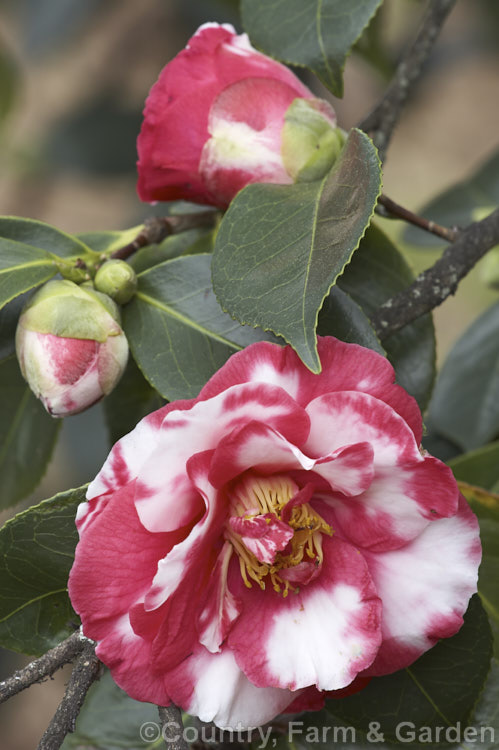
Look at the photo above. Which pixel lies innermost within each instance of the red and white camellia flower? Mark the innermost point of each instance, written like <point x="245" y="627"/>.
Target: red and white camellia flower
<point x="279" y="537"/>
<point x="223" y="115"/>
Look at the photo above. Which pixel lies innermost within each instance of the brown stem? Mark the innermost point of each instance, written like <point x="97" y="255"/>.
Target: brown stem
<point x="381" y="122"/>
<point x="172" y="727"/>
<point x="419" y="221"/>
<point x="85" y="672"/>
<point x="435" y="284"/>
<point x="45" y="666"/>
<point x="157" y="228"/>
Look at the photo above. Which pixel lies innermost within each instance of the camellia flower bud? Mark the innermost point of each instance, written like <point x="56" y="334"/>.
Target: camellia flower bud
<point x="222" y="115"/>
<point x="70" y="346"/>
<point x="116" y="279"/>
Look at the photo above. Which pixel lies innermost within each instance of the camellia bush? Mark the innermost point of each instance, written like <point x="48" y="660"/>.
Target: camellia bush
<point x="294" y="539"/>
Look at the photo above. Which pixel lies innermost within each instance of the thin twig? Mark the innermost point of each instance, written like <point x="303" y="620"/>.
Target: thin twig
<point x="85" y="672"/>
<point x="172" y="727"/>
<point x="157" y="228"/>
<point x="400" y="212"/>
<point x="381" y="122"/>
<point x="437" y="283"/>
<point x="41" y="668"/>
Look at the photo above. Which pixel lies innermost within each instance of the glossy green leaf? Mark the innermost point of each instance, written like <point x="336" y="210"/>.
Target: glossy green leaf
<point x="28" y="254"/>
<point x="36" y="554"/>
<point x="488" y="587"/>
<point x="316" y="33"/>
<point x="27" y="435"/>
<point x="461" y="204"/>
<point x="192" y="242"/>
<point x="465" y="404"/>
<point x="131" y="400"/>
<point x="377" y="272"/>
<point x="340" y="316"/>
<point x="320" y="730"/>
<point x="280" y="248"/>
<point x="478" y="473"/>
<point x="479" y="467"/>
<point x="177" y="332"/>
<point x="109" y="241"/>
<point x="9" y="316"/>
<point x="439" y="689"/>
<point x="110" y="720"/>
<point x="39" y="235"/>
<point x="22" y="267"/>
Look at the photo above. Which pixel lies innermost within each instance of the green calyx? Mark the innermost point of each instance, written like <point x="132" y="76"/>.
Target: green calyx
<point x="65" y="309"/>
<point x="116" y="279"/>
<point x="311" y="142"/>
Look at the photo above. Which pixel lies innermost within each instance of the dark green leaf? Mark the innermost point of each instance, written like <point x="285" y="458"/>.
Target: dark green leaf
<point x="36" y="554"/>
<point x="192" y="242"/>
<point x="342" y="317"/>
<point x="377" y="272"/>
<point x="437" y="445"/>
<point x="280" y="248"/>
<point x="131" y="400"/>
<point x="314" y="33"/>
<point x="481" y="468"/>
<point x="486" y="718"/>
<point x="108" y="242"/>
<point x="438" y="690"/>
<point x="9" y="315"/>
<point x="39" y="235"/>
<point x="465" y="404"/>
<point x="177" y="332"/>
<point x="460" y="205"/>
<point x="110" y="720"/>
<point x="22" y="267"/>
<point x="27" y="435"/>
<point x="322" y="729"/>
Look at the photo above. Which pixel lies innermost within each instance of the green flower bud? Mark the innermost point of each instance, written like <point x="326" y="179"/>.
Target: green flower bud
<point x="117" y="279"/>
<point x="311" y="142"/>
<point x="70" y="346"/>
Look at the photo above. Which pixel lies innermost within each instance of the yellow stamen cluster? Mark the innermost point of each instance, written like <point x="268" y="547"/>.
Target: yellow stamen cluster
<point x="255" y="496"/>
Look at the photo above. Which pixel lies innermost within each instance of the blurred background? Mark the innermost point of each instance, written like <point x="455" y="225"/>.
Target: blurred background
<point x="74" y="75"/>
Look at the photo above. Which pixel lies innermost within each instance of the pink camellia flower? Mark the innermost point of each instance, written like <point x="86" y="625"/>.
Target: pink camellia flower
<point x="70" y="346"/>
<point x="277" y="538"/>
<point x="223" y="115"/>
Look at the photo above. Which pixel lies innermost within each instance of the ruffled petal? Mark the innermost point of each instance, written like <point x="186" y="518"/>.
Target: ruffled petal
<point x="221" y="608"/>
<point x="425" y="588"/>
<point x="104" y="590"/>
<point x="214" y="688"/>
<point x="101" y="587"/>
<point x="130" y="453"/>
<point x="345" y="367"/>
<point x="258" y="447"/>
<point x="165" y="496"/>
<point x="399" y="504"/>
<point x="197" y="552"/>
<point x="128" y="656"/>
<point x="340" y="419"/>
<point x="323" y="636"/>
<point x="407" y="490"/>
<point x="264" y="536"/>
